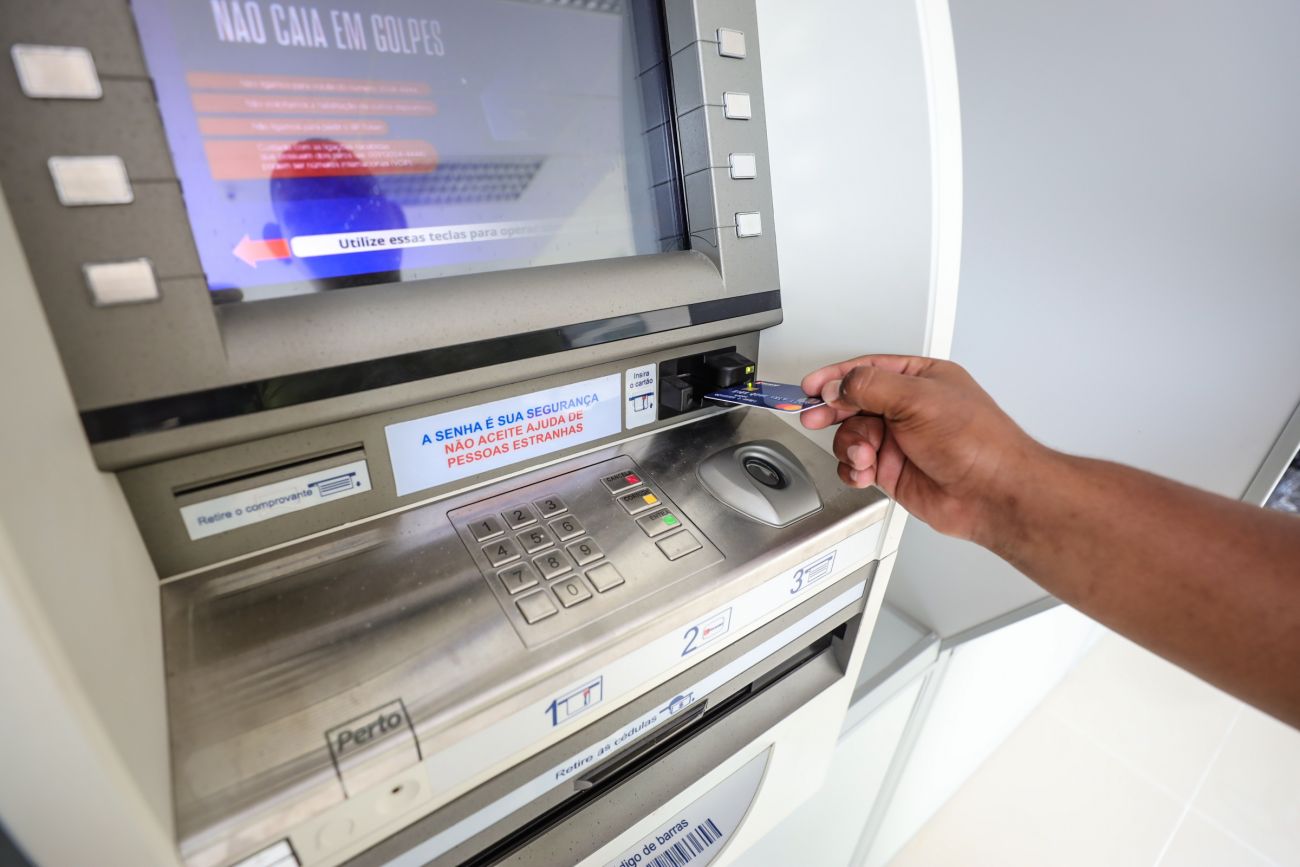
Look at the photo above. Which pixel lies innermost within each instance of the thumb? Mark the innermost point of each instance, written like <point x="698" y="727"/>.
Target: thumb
<point x="872" y="389"/>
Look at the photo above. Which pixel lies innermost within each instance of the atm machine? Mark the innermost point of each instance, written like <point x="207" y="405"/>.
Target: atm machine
<point x="363" y="504"/>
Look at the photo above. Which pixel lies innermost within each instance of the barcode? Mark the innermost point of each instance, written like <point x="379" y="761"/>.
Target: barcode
<point x="684" y="850"/>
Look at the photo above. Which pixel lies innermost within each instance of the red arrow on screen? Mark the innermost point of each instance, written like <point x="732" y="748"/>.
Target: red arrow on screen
<point x="251" y="252"/>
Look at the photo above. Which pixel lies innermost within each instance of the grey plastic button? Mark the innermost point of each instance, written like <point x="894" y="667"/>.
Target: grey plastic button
<point x="731" y="43"/>
<point x="90" y="180"/>
<point x="552" y="564"/>
<point x="128" y="282"/>
<point x="624" y="481"/>
<point x="519" y="516"/>
<point x="56" y="72"/>
<point x="486" y="528"/>
<point x="549" y="507"/>
<point x="749" y="224"/>
<point x="585" y="551"/>
<point x="518" y="578"/>
<point x="535" y="540"/>
<point x="658" y="522"/>
<point x="537" y="606"/>
<point x="638" y="501"/>
<point x="567" y="528"/>
<point x="736" y="106"/>
<point x="501" y="552"/>
<point x="604" y="577"/>
<point x="679" y="545"/>
<point x="571" y="591"/>
<point x="742" y="166"/>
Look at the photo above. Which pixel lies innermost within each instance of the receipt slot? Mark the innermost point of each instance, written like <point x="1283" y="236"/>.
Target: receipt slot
<point x="359" y="323"/>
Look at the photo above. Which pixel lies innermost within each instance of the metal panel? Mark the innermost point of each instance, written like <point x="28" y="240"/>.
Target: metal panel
<point x="248" y="753"/>
<point x="150" y="488"/>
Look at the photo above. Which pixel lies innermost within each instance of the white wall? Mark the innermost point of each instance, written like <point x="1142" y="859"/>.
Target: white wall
<point x="1130" y="282"/>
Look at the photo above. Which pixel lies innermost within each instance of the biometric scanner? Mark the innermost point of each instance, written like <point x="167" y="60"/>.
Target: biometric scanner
<point x="392" y="324"/>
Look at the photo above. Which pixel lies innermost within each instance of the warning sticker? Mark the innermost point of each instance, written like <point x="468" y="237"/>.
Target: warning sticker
<point x="430" y="451"/>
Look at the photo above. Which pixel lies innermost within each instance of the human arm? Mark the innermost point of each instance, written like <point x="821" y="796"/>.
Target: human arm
<point x="1210" y="583"/>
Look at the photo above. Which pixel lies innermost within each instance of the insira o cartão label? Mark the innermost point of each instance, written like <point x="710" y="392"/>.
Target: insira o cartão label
<point x="437" y="449"/>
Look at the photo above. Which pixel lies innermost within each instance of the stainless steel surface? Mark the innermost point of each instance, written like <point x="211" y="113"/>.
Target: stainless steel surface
<point x="608" y="531"/>
<point x="266" y="656"/>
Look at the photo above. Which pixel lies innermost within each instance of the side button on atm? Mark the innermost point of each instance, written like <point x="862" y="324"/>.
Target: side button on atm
<point x="620" y="482"/>
<point x="638" y="501"/>
<point x="537" y="606"/>
<point x="679" y="545"/>
<point x="658" y="522"/>
<point x="129" y="282"/>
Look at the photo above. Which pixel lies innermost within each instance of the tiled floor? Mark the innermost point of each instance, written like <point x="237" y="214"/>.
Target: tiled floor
<point x="1130" y="761"/>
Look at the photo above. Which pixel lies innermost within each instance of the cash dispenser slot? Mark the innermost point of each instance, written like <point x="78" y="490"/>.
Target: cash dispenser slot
<point x="703" y="742"/>
<point x="703" y="733"/>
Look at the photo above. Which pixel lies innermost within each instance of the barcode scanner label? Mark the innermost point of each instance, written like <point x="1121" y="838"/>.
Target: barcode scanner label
<point x="694" y="843"/>
<point x="700" y="831"/>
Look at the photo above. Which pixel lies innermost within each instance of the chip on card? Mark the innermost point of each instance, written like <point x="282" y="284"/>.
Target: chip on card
<point x="776" y="396"/>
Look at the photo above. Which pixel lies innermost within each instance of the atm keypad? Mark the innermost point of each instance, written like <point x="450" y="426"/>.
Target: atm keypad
<point x="501" y="552"/>
<point x="604" y="577"/>
<point x="571" y="591"/>
<point x="617" y="483"/>
<point x="567" y="528"/>
<point x="658" y="522"/>
<point x="638" y="501"/>
<point x="518" y="517"/>
<point x="549" y="507"/>
<point x="552" y="564"/>
<point x="584" y="552"/>
<point x="536" y="606"/>
<point x="535" y="540"/>
<point x="679" y="545"/>
<point x="486" y="528"/>
<point x="518" y="578"/>
<point x="571" y="549"/>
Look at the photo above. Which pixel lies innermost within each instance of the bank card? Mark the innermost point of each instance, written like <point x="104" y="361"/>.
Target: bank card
<point x="776" y="396"/>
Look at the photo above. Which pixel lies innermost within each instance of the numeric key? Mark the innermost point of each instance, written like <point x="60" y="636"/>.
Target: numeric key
<point x="585" y="551"/>
<point x="501" y="552"/>
<point x="552" y="564"/>
<point x="486" y="528"/>
<point x="518" y="517"/>
<point x="567" y="528"/>
<point x="534" y="540"/>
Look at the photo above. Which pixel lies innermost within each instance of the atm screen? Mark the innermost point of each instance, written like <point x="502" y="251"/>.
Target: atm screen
<point x="328" y="146"/>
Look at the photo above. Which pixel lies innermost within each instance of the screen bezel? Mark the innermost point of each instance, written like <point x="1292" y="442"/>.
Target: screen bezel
<point x="144" y="375"/>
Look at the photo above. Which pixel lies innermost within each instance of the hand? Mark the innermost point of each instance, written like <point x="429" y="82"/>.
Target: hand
<point x="928" y="435"/>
